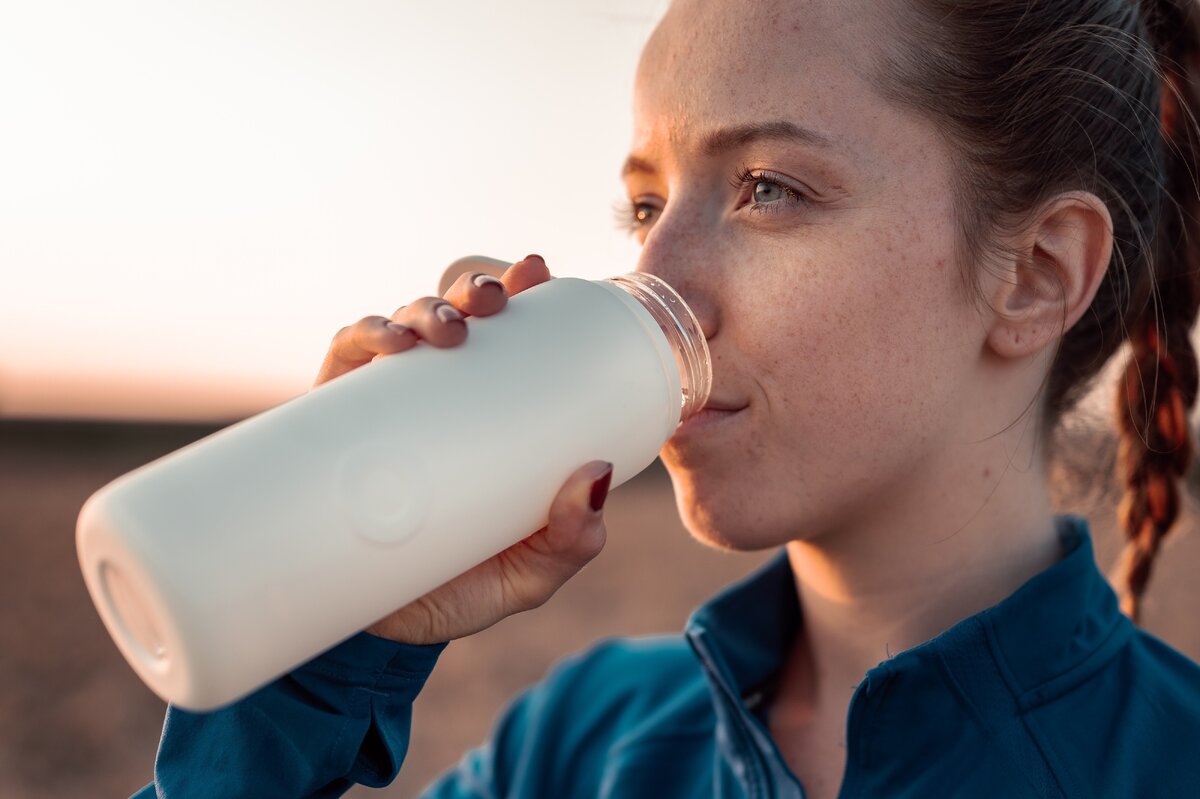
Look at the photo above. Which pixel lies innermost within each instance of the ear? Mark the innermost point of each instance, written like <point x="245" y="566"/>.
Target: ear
<point x="1050" y="275"/>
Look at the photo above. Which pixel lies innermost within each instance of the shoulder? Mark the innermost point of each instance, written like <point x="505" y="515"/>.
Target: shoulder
<point x="1130" y="728"/>
<point x="621" y="680"/>
<point x="654" y="656"/>
<point x="1174" y="672"/>
<point x="621" y="694"/>
<point x="1165" y="686"/>
<point x="1161" y="682"/>
<point x="622" y="698"/>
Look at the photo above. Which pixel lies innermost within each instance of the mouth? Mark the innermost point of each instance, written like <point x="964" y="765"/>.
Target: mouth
<point x="722" y="406"/>
<point x="710" y="420"/>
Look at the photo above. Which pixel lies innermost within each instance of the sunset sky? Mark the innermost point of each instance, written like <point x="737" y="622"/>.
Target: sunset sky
<point x="194" y="196"/>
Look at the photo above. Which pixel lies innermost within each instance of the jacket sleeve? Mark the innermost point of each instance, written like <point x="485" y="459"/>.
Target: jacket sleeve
<point x="341" y="719"/>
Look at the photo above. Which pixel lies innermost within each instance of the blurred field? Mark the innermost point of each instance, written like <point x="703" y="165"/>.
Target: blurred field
<point x="75" y="721"/>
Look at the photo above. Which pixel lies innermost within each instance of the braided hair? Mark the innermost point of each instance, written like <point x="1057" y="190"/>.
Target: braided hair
<point x="1158" y="387"/>
<point x="1046" y="96"/>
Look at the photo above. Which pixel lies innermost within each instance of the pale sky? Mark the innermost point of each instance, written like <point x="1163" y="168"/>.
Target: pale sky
<point x="195" y="196"/>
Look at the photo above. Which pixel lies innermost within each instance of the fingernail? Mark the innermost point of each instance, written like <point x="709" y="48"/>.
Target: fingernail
<point x="483" y="280"/>
<point x="447" y="313"/>
<point x="396" y="327"/>
<point x="531" y="256"/>
<point x="600" y="489"/>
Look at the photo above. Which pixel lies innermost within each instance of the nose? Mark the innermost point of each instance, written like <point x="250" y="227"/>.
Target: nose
<point x="682" y="255"/>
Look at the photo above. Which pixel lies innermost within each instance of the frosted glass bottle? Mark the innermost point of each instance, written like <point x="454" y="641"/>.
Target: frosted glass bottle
<point x="222" y="565"/>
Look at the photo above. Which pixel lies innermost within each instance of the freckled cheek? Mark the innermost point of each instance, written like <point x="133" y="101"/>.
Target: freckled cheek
<point x="913" y="339"/>
<point x="847" y="360"/>
<point x="811" y="368"/>
<point x="840" y="409"/>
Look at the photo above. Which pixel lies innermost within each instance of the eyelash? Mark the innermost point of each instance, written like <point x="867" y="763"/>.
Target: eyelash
<point x="752" y="177"/>
<point x="626" y="211"/>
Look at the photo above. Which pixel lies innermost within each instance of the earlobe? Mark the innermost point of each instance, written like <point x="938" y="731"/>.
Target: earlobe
<point x="1051" y="275"/>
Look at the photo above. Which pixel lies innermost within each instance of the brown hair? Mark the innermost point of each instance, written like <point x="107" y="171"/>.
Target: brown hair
<point x="1045" y="96"/>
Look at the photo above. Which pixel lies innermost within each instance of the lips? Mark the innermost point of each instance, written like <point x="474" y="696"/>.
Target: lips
<point x="721" y="405"/>
<point x="701" y="426"/>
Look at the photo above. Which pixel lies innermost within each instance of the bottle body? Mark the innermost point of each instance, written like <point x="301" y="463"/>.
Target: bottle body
<point x="223" y="565"/>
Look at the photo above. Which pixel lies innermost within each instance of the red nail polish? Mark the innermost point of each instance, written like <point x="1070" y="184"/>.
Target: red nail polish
<point x="600" y="489"/>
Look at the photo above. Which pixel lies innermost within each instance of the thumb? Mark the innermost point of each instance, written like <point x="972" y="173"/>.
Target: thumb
<point x="538" y="566"/>
<point x="575" y="527"/>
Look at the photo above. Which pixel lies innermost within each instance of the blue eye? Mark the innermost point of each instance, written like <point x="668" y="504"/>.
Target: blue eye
<point x="768" y="191"/>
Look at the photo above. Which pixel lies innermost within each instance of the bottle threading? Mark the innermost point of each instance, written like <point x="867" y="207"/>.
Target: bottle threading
<point x="682" y="330"/>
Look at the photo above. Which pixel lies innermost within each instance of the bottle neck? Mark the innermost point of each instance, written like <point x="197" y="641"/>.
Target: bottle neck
<point x="682" y="330"/>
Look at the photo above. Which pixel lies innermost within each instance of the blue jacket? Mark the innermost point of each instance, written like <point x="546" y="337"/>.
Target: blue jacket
<point x="1050" y="693"/>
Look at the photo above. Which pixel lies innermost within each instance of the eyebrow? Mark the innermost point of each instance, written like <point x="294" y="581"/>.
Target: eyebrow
<point x="731" y="138"/>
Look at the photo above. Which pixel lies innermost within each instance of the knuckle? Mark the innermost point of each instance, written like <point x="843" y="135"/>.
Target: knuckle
<point x="419" y="307"/>
<point x="586" y="550"/>
<point x="462" y="283"/>
<point x="515" y="593"/>
<point x="427" y="306"/>
<point x="368" y="328"/>
<point x="593" y="544"/>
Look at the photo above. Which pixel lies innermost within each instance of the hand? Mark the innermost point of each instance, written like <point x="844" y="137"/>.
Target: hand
<point x="472" y="294"/>
<point x="528" y="573"/>
<point x="519" y="578"/>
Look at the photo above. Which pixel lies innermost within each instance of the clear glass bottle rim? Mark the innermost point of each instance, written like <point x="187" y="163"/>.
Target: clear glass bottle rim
<point x="682" y="329"/>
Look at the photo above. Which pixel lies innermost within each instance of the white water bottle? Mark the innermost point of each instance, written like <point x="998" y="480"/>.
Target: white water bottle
<point x="222" y="565"/>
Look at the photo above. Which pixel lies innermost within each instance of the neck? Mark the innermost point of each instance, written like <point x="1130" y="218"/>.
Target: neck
<point x="901" y="574"/>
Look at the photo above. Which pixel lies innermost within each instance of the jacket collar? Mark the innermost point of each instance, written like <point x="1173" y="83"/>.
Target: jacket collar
<point x="1054" y="631"/>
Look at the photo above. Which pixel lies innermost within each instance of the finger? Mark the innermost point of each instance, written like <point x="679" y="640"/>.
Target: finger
<point x="525" y="274"/>
<point x="434" y="320"/>
<point x="356" y="344"/>
<point x="472" y="263"/>
<point x="537" y="566"/>
<point x="575" y="531"/>
<point x="477" y="294"/>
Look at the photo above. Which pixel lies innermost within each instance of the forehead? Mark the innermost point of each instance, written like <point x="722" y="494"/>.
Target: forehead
<point x="720" y="63"/>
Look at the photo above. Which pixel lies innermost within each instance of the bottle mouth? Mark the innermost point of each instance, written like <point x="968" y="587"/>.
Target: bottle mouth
<point x="682" y="329"/>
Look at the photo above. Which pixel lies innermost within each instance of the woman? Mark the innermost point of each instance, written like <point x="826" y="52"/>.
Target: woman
<point x="912" y="231"/>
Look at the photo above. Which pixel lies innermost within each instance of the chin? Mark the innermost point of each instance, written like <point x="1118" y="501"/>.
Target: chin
<point x="707" y="534"/>
<point x="718" y="520"/>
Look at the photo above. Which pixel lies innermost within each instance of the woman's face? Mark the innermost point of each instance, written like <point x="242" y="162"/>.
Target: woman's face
<point x="809" y="224"/>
